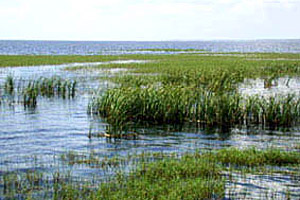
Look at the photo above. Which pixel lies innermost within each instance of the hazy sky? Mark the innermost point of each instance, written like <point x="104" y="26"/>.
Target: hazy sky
<point x="149" y="19"/>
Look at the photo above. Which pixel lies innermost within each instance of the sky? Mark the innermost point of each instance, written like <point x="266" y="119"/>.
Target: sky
<point x="149" y="20"/>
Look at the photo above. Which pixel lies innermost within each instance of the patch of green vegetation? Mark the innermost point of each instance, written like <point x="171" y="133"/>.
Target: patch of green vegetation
<point x="170" y="50"/>
<point x="193" y="88"/>
<point x="233" y="157"/>
<point x="187" y="178"/>
<point x="9" y="85"/>
<point x="46" y="87"/>
<point x="73" y="158"/>
<point x="177" y="105"/>
<point x="32" y="60"/>
<point x="296" y="146"/>
<point x="198" y="175"/>
<point x="252" y="157"/>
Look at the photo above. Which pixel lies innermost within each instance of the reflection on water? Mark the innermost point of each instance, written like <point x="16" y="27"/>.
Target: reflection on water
<point x="37" y="138"/>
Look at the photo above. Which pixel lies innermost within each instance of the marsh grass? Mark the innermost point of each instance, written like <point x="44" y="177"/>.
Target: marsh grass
<point x="56" y="86"/>
<point x="192" y="88"/>
<point x="170" y="50"/>
<point x="31" y="60"/>
<point x="9" y="85"/>
<point x="253" y="157"/>
<point x="30" y="95"/>
<point x="46" y="87"/>
<point x="198" y="175"/>
<point x="188" y="88"/>
<point x="33" y="184"/>
<point x="37" y="60"/>
<point x="178" y="104"/>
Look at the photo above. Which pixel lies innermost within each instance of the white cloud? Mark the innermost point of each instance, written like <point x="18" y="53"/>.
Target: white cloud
<point x="148" y="19"/>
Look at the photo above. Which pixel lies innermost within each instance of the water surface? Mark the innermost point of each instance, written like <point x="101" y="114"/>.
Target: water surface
<point x="13" y="47"/>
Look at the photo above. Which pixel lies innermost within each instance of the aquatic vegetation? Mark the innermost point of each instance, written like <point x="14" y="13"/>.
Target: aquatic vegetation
<point x="191" y="88"/>
<point x="9" y="85"/>
<point x="274" y="111"/>
<point x="187" y="178"/>
<point x="197" y="175"/>
<point x="56" y="86"/>
<point x="45" y="87"/>
<point x="33" y="60"/>
<point x="30" y="95"/>
<point x="48" y="87"/>
<point x="178" y="104"/>
<point x="177" y="90"/>
<point x="254" y="157"/>
<point x="33" y="184"/>
<point x="270" y="81"/>
<point x="170" y="50"/>
<point x="140" y="104"/>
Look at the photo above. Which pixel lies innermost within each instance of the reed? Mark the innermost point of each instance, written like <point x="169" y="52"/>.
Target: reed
<point x="274" y="111"/>
<point x="178" y="104"/>
<point x="45" y="87"/>
<point x="201" y="89"/>
<point x="9" y="85"/>
<point x="56" y="86"/>
<point x="30" y="95"/>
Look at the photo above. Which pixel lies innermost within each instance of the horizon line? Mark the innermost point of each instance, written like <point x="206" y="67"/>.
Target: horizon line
<point x="173" y="40"/>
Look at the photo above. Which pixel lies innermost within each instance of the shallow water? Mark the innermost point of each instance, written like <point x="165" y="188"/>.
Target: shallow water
<point x="275" y="186"/>
<point x="280" y="86"/>
<point x="57" y="126"/>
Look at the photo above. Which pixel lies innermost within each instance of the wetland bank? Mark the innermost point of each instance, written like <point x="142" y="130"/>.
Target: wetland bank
<point x="181" y="125"/>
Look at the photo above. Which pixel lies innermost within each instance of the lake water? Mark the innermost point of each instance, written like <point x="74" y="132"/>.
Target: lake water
<point x="58" y="125"/>
<point x="109" y="47"/>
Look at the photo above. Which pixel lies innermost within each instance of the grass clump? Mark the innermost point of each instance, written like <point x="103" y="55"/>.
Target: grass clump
<point x="186" y="178"/>
<point x="157" y="105"/>
<point x="274" y="111"/>
<point x="171" y="50"/>
<point x="253" y="157"/>
<point x="45" y="87"/>
<point x="48" y="87"/>
<point x="30" y="95"/>
<point x="179" y="104"/>
<point x="56" y="86"/>
<point x="9" y="85"/>
<point x="202" y="89"/>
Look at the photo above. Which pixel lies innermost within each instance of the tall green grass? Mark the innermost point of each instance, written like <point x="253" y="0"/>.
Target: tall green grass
<point x="46" y="87"/>
<point x="178" y="104"/>
<point x="9" y="85"/>
<point x="202" y="89"/>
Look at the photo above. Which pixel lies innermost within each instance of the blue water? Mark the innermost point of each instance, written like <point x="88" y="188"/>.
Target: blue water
<point x="120" y="47"/>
